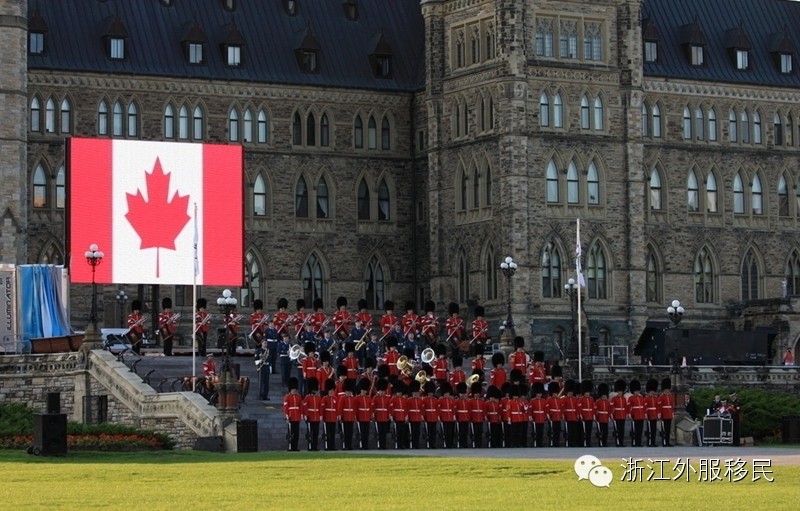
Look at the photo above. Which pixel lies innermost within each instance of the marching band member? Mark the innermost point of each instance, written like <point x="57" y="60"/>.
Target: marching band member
<point x="537" y="372"/>
<point x="477" y="414"/>
<point x="262" y="365"/>
<point x="602" y="412"/>
<point x="285" y="361"/>
<point x="341" y="379"/>
<point x="569" y="406"/>
<point x="342" y="319"/>
<point x="281" y="318"/>
<point x="441" y="367"/>
<point x="381" y="408"/>
<point x="324" y="372"/>
<point x="312" y="414"/>
<point x="554" y="413"/>
<point x="330" y="415"/>
<point x="231" y="321"/>
<point x="447" y="414"/>
<point x="398" y="409"/>
<point x="498" y="375"/>
<point x="357" y="334"/>
<point x="373" y="347"/>
<point x="416" y="416"/>
<point x="350" y="361"/>
<point x="429" y="323"/>
<point x="666" y="405"/>
<point x="463" y="414"/>
<point x="619" y="412"/>
<point x="307" y="335"/>
<point x="494" y="417"/>
<point x="586" y="412"/>
<point x="517" y="416"/>
<point x="388" y="320"/>
<point x="537" y="410"/>
<point x="391" y="357"/>
<point x="455" y="326"/>
<point x="480" y="328"/>
<point x="292" y="410"/>
<point x="363" y="315"/>
<point x="136" y="327"/>
<point x="409" y="342"/>
<point x="326" y="343"/>
<point x="636" y="408"/>
<point x="519" y="359"/>
<point x="166" y="325"/>
<point x="458" y="375"/>
<point x="363" y="404"/>
<point x="430" y="411"/>
<point x="300" y="318"/>
<point x="319" y="319"/>
<point x="651" y="411"/>
<point x="347" y="413"/>
<point x="479" y="363"/>
<point x="209" y="366"/>
<point x="410" y="321"/>
<point x="505" y="416"/>
<point x="271" y="335"/>
<point x="202" y="318"/>
<point x="258" y="321"/>
<point x="309" y="365"/>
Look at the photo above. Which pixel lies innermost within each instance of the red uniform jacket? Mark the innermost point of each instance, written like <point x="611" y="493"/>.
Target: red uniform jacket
<point x="480" y="331"/>
<point x="447" y="409"/>
<point x="209" y="368"/>
<point x="339" y="389"/>
<point x="456" y="377"/>
<point x="342" y="320"/>
<point x="651" y="406"/>
<point x="602" y="410"/>
<point x="410" y="323"/>
<point x="293" y="407"/>
<point x="387" y="323"/>
<point x="320" y="322"/>
<point x="301" y="319"/>
<point x="499" y="377"/>
<point x="477" y="409"/>
<point x="493" y="412"/>
<point x="586" y="408"/>
<point x="537" y="373"/>
<point x="363" y="408"/>
<point x="554" y="412"/>
<point x="366" y="320"/>
<point x="398" y="408"/>
<point x="430" y="409"/>
<point x="478" y="363"/>
<point x="415" y="407"/>
<point x="666" y="405"/>
<point x="280" y="321"/>
<point x="518" y="360"/>
<point x="255" y="319"/>
<point x="324" y="374"/>
<point x="538" y="410"/>
<point x="505" y="413"/>
<point x="462" y="409"/>
<point x="347" y="408"/>
<point x="390" y="358"/>
<point x="619" y="407"/>
<point x="139" y="329"/>
<point x="569" y="405"/>
<point x="430" y="326"/>
<point x="309" y="366"/>
<point x="351" y="363"/>
<point x="516" y="410"/>
<point x="455" y="329"/>
<point x="440" y="368"/>
<point x="312" y="408"/>
<point x="330" y="409"/>
<point x="636" y="407"/>
<point x="199" y="318"/>
<point x="165" y="323"/>
<point x="381" y="407"/>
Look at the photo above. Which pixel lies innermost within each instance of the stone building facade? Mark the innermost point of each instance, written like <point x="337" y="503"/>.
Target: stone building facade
<point x="504" y="122"/>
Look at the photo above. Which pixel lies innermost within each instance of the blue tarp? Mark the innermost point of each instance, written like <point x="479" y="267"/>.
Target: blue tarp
<point x="41" y="309"/>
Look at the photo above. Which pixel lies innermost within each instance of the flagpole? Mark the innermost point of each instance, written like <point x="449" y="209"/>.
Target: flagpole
<point x="578" y="254"/>
<point x="196" y="269"/>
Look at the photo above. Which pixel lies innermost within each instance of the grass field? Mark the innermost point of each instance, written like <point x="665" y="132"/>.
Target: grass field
<point x="332" y="481"/>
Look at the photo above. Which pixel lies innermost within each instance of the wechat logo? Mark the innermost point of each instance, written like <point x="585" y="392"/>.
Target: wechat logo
<point x="589" y="467"/>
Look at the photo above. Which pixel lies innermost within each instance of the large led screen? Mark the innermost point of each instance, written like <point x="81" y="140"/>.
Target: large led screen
<point x="160" y="212"/>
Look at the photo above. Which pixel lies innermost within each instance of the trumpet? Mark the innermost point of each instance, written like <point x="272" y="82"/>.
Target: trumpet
<point x="422" y="377"/>
<point x="296" y="353"/>
<point x="428" y="355"/>
<point x="475" y="378"/>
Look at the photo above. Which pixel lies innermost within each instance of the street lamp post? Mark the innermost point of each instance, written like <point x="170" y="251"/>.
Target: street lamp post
<point x="572" y="288"/>
<point x="227" y="387"/>
<point x="122" y="299"/>
<point x="509" y="268"/>
<point x="93" y="257"/>
<point x="675" y="312"/>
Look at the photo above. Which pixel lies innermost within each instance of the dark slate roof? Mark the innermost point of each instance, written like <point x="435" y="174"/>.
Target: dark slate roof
<point x="763" y="21"/>
<point x="155" y="33"/>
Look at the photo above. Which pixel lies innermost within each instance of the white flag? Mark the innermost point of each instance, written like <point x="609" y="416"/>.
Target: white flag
<point x="578" y="268"/>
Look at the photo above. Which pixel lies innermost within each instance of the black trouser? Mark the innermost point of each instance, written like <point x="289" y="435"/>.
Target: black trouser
<point x="383" y="430"/>
<point x="416" y="428"/>
<point x="603" y="428"/>
<point x="538" y="434"/>
<point x="448" y="429"/>
<point x="306" y="386"/>
<point x="201" y="343"/>
<point x="363" y="435"/>
<point x="313" y="435"/>
<point x="619" y="432"/>
<point x="286" y="370"/>
<point x="638" y="429"/>
<point x="555" y="433"/>
<point x="667" y="425"/>
<point x="516" y="438"/>
<point x="463" y="435"/>
<point x="263" y="382"/>
<point x="523" y="436"/>
<point x="652" y="429"/>
<point x="495" y="434"/>
<point x="294" y="435"/>
<point x="587" y="433"/>
<point x="402" y="435"/>
<point x="168" y="346"/>
<point x="347" y="435"/>
<point x="574" y="434"/>
<point x="430" y="434"/>
<point x="273" y="357"/>
<point x="477" y="434"/>
<point x="330" y="436"/>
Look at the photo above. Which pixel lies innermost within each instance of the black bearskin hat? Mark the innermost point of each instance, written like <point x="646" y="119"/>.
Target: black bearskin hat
<point x="430" y="306"/>
<point x="408" y="352"/>
<point x="166" y="303"/>
<point x="538" y="356"/>
<point x="479" y="350"/>
<point x="301" y="304"/>
<point x="383" y="371"/>
<point x="556" y="371"/>
<point x="440" y="349"/>
<point x="414" y="387"/>
<point x="479" y="310"/>
<point x="318" y="304"/>
<point x="293" y="383"/>
<point x="430" y="388"/>
<point x="506" y="388"/>
<point x="382" y="385"/>
<point x="309" y="348"/>
<point x="388" y="305"/>
<point x="538" y="388"/>
<point x="330" y="385"/>
<point x="522" y="389"/>
<point x="452" y="308"/>
<point x="651" y="385"/>
<point x="341" y="370"/>
<point x="370" y="363"/>
<point x="476" y="388"/>
<point x="410" y="306"/>
<point x="602" y="389"/>
<point x="341" y="302"/>
<point x="325" y="356"/>
<point x="493" y="392"/>
<point x="519" y="342"/>
<point x="515" y="376"/>
<point x="553" y="387"/>
<point x="619" y="386"/>
<point x="349" y="347"/>
<point x="391" y="341"/>
<point x="569" y="386"/>
<point x="364" y="384"/>
<point x="446" y="388"/>
<point x="635" y="386"/>
<point x="283" y="303"/>
<point x="202" y="303"/>
<point x="312" y="385"/>
<point x="458" y="360"/>
<point x="350" y="385"/>
<point x="399" y="388"/>
<point x="258" y="304"/>
<point x="666" y="384"/>
<point x="362" y="304"/>
<point x="498" y="359"/>
<point x="136" y="305"/>
<point x="586" y="386"/>
<point x="461" y="387"/>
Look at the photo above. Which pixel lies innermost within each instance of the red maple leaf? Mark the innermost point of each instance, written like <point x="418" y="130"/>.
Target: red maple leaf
<point x="159" y="220"/>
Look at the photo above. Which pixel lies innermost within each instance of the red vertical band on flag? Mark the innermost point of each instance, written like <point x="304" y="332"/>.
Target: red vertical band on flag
<point x="90" y="207"/>
<point x="222" y="261"/>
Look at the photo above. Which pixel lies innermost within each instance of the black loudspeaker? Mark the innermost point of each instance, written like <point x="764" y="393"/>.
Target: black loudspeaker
<point x="247" y="435"/>
<point x="54" y="402"/>
<point x="50" y="434"/>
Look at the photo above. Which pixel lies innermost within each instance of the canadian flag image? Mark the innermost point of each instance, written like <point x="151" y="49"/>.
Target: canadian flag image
<point x="158" y="210"/>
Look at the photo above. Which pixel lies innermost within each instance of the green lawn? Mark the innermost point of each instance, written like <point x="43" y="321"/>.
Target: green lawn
<point x="330" y="481"/>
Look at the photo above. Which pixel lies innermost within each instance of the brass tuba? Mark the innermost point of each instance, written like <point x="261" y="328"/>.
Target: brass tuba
<point x="296" y="353"/>
<point x="404" y="365"/>
<point x="422" y="377"/>
<point x="475" y="378"/>
<point x="428" y="355"/>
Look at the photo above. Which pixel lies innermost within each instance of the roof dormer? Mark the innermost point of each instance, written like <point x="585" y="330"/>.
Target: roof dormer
<point x="37" y="28"/>
<point x="115" y="38"/>
<point x="381" y="58"/>
<point x="307" y="52"/>
<point x="783" y="50"/>
<point x="739" y="47"/>
<point x="195" y="43"/>
<point x="350" y="9"/>
<point x="290" y="6"/>
<point x="651" y="39"/>
<point x="694" y="43"/>
<point x="232" y="47"/>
